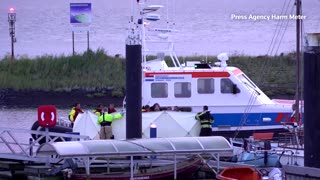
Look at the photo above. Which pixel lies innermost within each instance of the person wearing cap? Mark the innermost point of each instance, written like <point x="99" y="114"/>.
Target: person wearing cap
<point x="206" y="120"/>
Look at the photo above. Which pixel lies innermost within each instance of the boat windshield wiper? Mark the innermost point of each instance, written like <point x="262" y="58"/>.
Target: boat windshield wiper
<point x="248" y="85"/>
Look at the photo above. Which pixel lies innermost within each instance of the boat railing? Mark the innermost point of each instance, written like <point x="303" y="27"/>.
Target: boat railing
<point x="291" y="140"/>
<point x="18" y="144"/>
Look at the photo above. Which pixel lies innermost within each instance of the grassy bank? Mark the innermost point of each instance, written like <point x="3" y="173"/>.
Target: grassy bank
<point x="89" y="71"/>
<point x="94" y="71"/>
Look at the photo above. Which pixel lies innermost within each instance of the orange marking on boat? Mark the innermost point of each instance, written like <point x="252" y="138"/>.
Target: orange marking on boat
<point x="263" y="136"/>
<point x="237" y="72"/>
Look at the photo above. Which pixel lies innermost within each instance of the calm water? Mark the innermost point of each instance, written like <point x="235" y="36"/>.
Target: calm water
<point x="205" y="26"/>
<point x="21" y="119"/>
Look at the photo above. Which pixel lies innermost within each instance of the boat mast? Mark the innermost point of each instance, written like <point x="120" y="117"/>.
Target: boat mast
<point x="298" y="25"/>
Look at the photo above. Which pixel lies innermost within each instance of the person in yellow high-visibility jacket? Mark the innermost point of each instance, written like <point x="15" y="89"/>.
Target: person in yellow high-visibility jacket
<point x="105" y="120"/>
<point x="74" y="113"/>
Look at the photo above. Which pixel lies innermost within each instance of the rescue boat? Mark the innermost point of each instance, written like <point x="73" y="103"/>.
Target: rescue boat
<point x="238" y="105"/>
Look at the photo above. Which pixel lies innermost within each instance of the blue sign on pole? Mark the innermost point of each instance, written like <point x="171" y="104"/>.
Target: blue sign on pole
<point x="80" y="15"/>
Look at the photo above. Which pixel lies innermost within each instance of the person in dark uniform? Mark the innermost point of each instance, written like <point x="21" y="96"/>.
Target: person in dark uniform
<point x="206" y="120"/>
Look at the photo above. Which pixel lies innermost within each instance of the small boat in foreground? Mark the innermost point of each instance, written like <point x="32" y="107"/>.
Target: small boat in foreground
<point x="239" y="173"/>
<point x="249" y="173"/>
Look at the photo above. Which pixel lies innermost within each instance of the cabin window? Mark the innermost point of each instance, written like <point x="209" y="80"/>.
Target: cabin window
<point x="226" y="86"/>
<point x="182" y="89"/>
<point x="159" y="90"/>
<point x="206" y="86"/>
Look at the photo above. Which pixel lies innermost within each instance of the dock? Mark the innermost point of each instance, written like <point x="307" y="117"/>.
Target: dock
<point x="54" y="160"/>
<point x="21" y="159"/>
<point x="18" y="152"/>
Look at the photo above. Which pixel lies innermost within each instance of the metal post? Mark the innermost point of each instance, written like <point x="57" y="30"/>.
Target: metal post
<point x="73" y="43"/>
<point x="47" y="134"/>
<point x="87" y="166"/>
<point x="133" y="87"/>
<point x="218" y="162"/>
<point x="47" y="140"/>
<point x="298" y="12"/>
<point x="12" y="20"/>
<point x="12" y="47"/>
<point x="175" y="167"/>
<point x="108" y="166"/>
<point x="311" y="100"/>
<point x="131" y="168"/>
<point x="88" y="39"/>
<point x="153" y="134"/>
<point x="31" y="147"/>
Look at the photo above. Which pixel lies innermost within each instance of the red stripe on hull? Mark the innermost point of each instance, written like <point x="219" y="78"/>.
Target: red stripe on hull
<point x="279" y="117"/>
<point x="193" y="74"/>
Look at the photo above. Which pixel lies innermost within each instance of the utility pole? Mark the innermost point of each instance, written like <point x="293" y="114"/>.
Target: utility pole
<point x="298" y="28"/>
<point x="12" y="20"/>
<point x="73" y="53"/>
<point x="88" y="40"/>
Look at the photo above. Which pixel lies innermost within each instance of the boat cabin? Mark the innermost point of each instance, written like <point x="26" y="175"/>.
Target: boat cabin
<point x="195" y="84"/>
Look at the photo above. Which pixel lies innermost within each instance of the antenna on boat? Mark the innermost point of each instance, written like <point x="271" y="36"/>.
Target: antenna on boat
<point x="156" y="40"/>
<point x="223" y="57"/>
<point x="132" y="11"/>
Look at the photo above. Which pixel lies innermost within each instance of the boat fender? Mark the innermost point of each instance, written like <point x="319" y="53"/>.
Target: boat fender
<point x="275" y="174"/>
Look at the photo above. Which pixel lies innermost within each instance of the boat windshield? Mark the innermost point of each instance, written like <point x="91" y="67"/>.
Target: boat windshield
<point x="247" y="81"/>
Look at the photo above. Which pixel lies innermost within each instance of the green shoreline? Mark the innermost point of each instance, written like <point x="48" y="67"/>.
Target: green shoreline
<point x="97" y="71"/>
